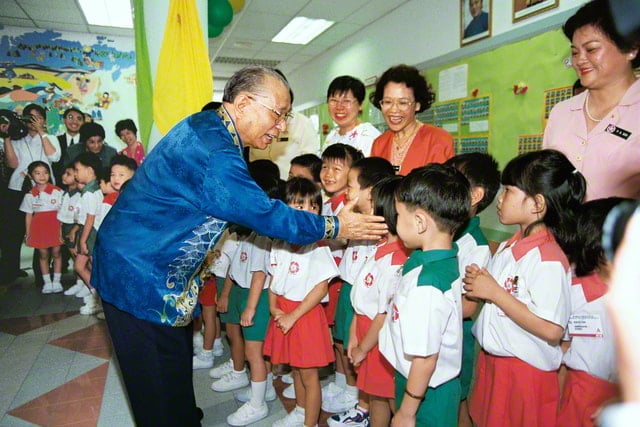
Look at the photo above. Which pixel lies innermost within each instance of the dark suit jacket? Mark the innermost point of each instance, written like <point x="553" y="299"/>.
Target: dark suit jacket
<point x="58" y="167"/>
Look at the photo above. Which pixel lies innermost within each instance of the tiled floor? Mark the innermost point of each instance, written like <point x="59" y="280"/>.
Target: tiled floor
<point x="57" y="367"/>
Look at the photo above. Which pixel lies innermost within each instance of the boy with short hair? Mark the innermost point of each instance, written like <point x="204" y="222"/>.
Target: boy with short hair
<point x="422" y="334"/>
<point x="67" y="217"/>
<point x="121" y="170"/>
<point x="481" y="170"/>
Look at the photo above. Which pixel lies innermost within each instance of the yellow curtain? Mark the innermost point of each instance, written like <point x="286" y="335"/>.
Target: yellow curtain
<point x="184" y="82"/>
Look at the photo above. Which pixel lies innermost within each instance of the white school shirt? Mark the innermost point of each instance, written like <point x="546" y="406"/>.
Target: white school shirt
<point x="68" y="207"/>
<point x="223" y="252"/>
<point x="354" y="257"/>
<point x="473" y="247"/>
<point x="90" y="202"/>
<point x="332" y="207"/>
<point x="47" y="200"/>
<point x="251" y="255"/>
<point x="590" y="330"/>
<point x="360" y="137"/>
<point x="105" y="207"/>
<point x="378" y="279"/>
<point x="296" y="270"/>
<point x="425" y="319"/>
<point x="536" y="272"/>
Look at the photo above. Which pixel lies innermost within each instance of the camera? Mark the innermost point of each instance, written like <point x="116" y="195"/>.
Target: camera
<point x="615" y="226"/>
<point x="17" y="127"/>
<point x="26" y="118"/>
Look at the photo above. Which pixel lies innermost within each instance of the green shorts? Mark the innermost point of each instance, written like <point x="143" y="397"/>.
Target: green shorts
<point x="468" y="358"/>
<point x="238" y="302"/>
<point x="224" y="317"/>
<point x="440" y="406"/>
<point x="66" y="228"/>
<point x="344" y="315"/>
<point x="91" y="240"/>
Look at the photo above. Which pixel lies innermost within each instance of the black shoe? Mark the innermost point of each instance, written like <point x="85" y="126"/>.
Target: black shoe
<point x="22" y="273"/>
<point x="200" y="413"/>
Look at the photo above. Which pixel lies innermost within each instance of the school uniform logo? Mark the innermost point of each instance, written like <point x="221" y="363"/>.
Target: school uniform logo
<point x="294" y="267"/>
<point x="395" y="314"/>
<point x="54" y="201"/>
<point x="244" y="256"/>
<point x="368" y="280"/>
<point x="511" y="285"/>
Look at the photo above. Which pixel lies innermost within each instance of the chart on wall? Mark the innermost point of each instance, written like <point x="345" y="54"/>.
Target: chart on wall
<point x="61" y="70"/>
<point x="467" y="120"/>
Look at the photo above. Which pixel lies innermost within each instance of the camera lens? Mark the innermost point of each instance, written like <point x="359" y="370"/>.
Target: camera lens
<point x="615" y="226"/>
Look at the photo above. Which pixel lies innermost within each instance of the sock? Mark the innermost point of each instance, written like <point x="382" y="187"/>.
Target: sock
<point x="258" y="390"/>
<point x="352" y="390"/>
<point x="217" y="342"/>
<point x="238" y="372"/>
<point x="365" y="411"/>
<point x="56" y="277"/>
<point x="46" y="279"/>
<point x="270" y="380"/>
<point x="300" y="410"/>
<point x="79" y="282"/>
<point x="206" y="354"/>
<point x="341" y="380"/>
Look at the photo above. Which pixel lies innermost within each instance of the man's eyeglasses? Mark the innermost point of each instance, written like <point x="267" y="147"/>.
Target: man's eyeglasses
<point x="401" y="104"/>
<point x="280" y="117"/>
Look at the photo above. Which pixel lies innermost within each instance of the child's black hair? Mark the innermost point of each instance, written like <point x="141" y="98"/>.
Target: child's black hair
<point x="90" y="160"/>
<point x="342" y="152"/>
<point x="481" y="169"/>
<point x="33" y="165"/>
<point x="311" y="162"/>
<point x="299" y="190"/>
<point x="122" y="160"/>
<point x="372" y="170"/>
<point x="588" y="255"/>
<point x="550" y="174"/>
<point x="264" y="167"/>
<point x="441" y="191"/>
<point x="384" y="201"/>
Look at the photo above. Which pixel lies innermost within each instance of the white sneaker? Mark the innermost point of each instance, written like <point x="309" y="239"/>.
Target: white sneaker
<point x="289" y="392"/>
<point x="218" y="348"/>
<point x="203" y="360"/>
<point x="84" y="292"/>
<point x="339" y="403"/>
<point x="248" y="414"/>
<point x="57" y="287"/>
<point x="354" y="417"/>
<point x="287" y="378"/>
<point x="295" y="418"/>
<point x="231" y="381"/>
<point x="331" y="390"/>
<point x="244" y="395"/>
<point x="197" y="343"/>
<point x="74" y="289"/>
<point x="47" y="288"/>
<point x="91" y="305"/>
<point x="220" y="371"/>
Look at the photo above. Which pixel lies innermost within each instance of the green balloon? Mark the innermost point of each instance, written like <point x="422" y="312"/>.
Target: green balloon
<point x="220" y="13"/>
<point x="214" y="31"/>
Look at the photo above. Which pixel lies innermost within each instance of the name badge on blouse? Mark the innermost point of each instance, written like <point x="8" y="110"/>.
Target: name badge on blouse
<point x="619" y="132"/>
<point x="585" y="325"/>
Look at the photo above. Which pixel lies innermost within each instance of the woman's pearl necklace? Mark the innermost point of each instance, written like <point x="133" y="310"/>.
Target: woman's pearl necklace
<point x="586" y="109"/>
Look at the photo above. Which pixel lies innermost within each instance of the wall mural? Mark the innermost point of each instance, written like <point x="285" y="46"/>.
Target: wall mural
<point x="57" y="70"/>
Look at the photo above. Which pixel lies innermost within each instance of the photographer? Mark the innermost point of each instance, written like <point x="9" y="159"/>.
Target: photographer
<point x="19" y="153"/>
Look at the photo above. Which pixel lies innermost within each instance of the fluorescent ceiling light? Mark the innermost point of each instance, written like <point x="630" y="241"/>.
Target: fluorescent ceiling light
<point x="301" y="30"/>
<point x="116" y="14"/>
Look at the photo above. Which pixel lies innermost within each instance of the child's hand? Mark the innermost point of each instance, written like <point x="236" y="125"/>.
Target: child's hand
<point x="26" y="238"/>
<point x="84" y="249"/>
<point x="357" y="355"/>
<point x="401" y="419"/>
<point x="223" y="304"/>
<point x="480" y="284"/>
<point x="246" y="318"/>
<point x="276" y="312"/>
<point x="285" y="322"/>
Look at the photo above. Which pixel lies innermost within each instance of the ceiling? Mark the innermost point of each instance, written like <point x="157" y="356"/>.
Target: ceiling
<point x="245" y="40"/>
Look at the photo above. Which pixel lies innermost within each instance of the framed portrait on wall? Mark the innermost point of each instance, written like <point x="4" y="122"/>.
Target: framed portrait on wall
<point x="475" y="20"/>
<point x="523" y="9"/>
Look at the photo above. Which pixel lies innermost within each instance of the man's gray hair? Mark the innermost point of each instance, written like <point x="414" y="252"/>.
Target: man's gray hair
<point x="250" y="79"/>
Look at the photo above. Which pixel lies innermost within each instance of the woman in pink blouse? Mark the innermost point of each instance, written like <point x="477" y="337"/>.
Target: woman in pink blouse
<point x="128" y="132"/>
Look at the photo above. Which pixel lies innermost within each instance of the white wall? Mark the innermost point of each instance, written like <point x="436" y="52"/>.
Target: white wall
<point x="415" y="33"/>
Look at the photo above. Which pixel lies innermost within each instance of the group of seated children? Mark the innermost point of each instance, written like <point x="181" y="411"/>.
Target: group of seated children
<point x="72" y="217"/>
<point x="396" y="315"/>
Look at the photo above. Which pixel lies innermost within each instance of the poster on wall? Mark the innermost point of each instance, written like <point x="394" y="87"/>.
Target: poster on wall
<point x="93" y="73"/>
<point x="475" y="20"/>
<point x="523" y="9"/>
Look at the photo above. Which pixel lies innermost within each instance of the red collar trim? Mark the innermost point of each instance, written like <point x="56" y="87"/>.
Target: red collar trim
<point x="47" y="189"/>
<point x="337" y="200"/>
<point x="592" y="286"/>
<point x="401" y="253"/>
